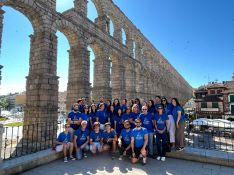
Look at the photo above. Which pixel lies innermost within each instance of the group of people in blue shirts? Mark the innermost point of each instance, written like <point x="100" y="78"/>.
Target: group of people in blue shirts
<point x="130" y="127"/>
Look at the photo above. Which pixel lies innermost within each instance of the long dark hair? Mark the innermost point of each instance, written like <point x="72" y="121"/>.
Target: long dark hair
<point x="118" y="104"/>
<point x="177" y="102"/>
<point x="110" y="102"/>
<point x="164" y="98"/>
<point x="137" y="100"/>
<point x="152" y="106"/>
<point x="91" y="109"/>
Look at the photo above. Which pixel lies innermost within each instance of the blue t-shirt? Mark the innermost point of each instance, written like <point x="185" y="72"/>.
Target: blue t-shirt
<point x="126" y="116"/>
<point x="161" y="120"/>
<point x="86" y="117"/>
<point x="138" y="136"/>
<point x="118" y="120"/>
<point x="133" y="116"/>
<point x="126" y="136"/>
<point x="124" y="108"/>
<point x="102" y="117"/>
<point x="74" y="116"/>
<point x="82" y="136"/>
<point x="81" y="108"/>
<point x="175" y="113"/>
<point x="147" y="121"/>
<point x="110" y="116"/>
<point x="152" y="109"/>
<point x="96" y="137"/>
<point x="93" y="116"/>
<point x="106" y="135"/>
<point x="65" y="138"/>
<point x="168" y="109"/>
<point x="116" y="108"/>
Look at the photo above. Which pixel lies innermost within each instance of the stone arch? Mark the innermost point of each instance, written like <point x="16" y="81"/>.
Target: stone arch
<point x="41" y="82"/>
<point x="9" y="48"/>
<point x="117" y="23"/>
<point x="31" y="11"/>
<point x="78" y="70"/>
<point x="69" y="30"/>
<point x="124" y="36"/>
<point x="99" y="7"/>
<point x="102" y="69"/>
<point x="114" y="20"/>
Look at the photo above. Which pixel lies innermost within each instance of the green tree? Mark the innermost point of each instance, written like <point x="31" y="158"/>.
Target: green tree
<point x="4" y="103"/>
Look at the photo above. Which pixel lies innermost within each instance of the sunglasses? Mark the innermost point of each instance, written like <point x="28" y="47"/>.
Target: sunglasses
<point x="67" y="126"/>
<point x="144" y="109"/>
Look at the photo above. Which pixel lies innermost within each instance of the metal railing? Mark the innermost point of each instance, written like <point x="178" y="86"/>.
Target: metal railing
<point x="22" y="140"/>
<point x="215" y="135"/>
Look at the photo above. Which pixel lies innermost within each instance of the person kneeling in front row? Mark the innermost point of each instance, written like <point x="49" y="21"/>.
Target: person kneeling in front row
<point x="81" y="140"/>
<point x="109" y="138"/>
<point x="139" y="141"/>
<point x="124" y="140"/>
<point x="64" y="143"/>
<point x="95" y="139"/>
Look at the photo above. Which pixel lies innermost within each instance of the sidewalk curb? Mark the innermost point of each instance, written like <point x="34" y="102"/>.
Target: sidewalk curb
<point x="205" y="156"/>
<point x="24" y="163"/>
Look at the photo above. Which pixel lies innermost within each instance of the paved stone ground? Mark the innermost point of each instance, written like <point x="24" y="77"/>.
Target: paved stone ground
<point x="104" y="165"/>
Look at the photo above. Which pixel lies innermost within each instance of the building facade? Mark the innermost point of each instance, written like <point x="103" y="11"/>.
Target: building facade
<point x="215" y="100"/>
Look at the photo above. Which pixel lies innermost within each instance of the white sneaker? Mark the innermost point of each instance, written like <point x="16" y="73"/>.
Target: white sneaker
<point x="163" y="159"/>
<point x="140" y="156"/>
<point x="144" y="161"/>
<point x="72" y="158"/>
<point x="158" y="158"/>
<point x="65" y="159"/>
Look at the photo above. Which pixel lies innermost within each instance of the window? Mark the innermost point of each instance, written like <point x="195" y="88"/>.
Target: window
<point x="232" y="109"/>
<point x="215" y="105"/>
<point x="219" y="91"/>
<point x="203" y="105"/>
<point x="232" y="98"/>
<point x="212" y="91"/>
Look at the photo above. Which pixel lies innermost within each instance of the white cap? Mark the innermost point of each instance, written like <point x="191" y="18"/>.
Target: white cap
<point x="84" y="121"/>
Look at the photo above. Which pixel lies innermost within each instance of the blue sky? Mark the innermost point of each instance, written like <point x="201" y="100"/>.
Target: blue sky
<point x="196" y="36"/>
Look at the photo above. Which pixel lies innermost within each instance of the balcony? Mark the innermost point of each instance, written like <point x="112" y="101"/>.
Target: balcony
<point x="209" y="109"/>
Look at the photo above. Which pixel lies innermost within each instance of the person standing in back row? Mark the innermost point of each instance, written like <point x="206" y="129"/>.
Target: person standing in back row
<point x="179" y="123"/>
<point x="168" y="107"/>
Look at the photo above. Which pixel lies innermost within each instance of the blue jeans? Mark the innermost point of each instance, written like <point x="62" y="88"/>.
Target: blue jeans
<point x="161" y="140"/>
<point x="80" y="152"/>
<point x="150" y="143"/>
